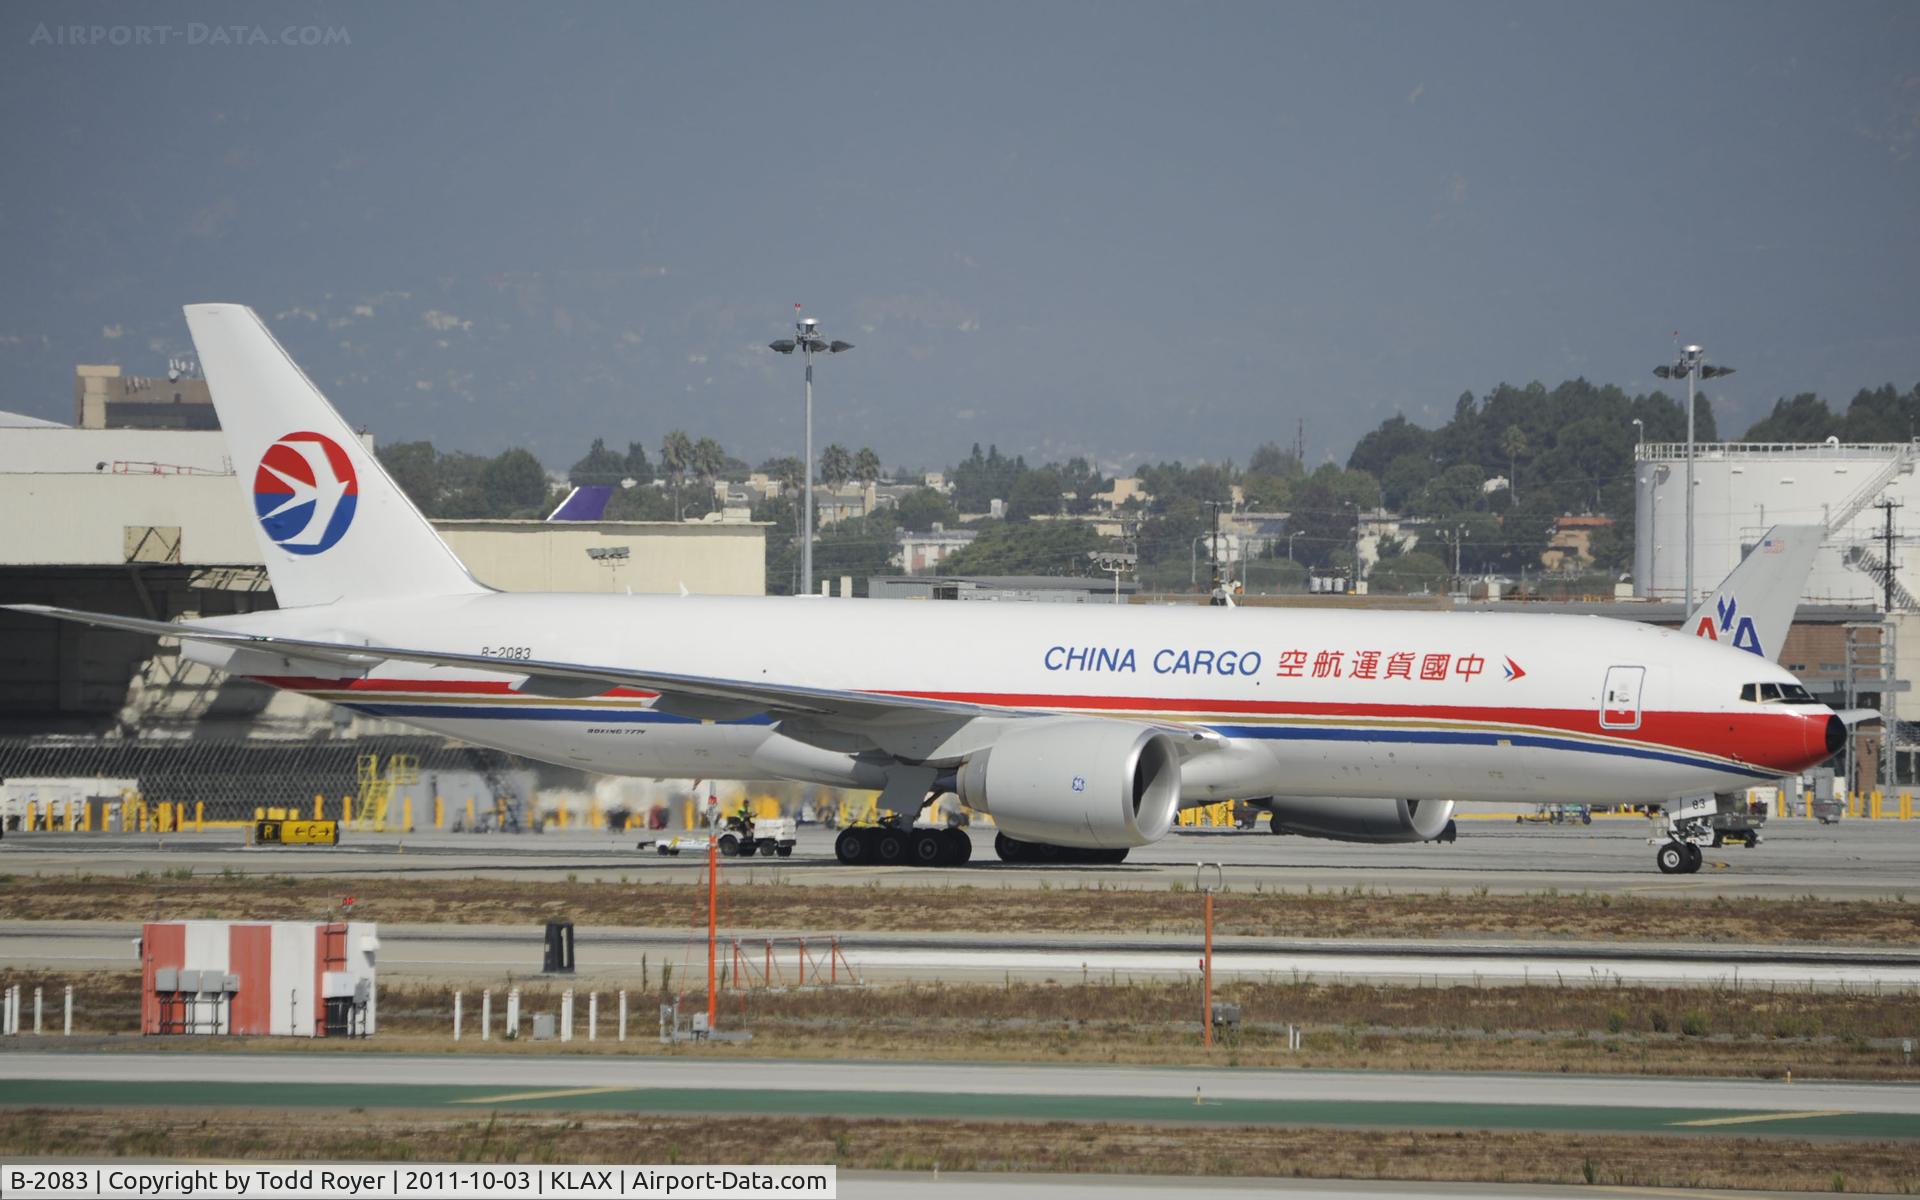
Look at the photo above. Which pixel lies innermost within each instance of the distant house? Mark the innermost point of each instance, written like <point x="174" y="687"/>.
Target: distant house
<point x="1572" y="542"/>
<point x="1122" y="491"/>
<point x="921" y="553"/>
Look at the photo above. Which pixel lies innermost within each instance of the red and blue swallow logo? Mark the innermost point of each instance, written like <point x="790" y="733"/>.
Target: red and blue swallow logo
<point x="305" y="492"/>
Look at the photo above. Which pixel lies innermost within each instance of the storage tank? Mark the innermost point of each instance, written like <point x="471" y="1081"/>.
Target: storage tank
<point x="1741" y="489"/>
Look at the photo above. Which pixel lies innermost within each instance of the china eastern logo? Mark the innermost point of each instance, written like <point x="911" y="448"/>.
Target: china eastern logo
<point x="304" y="492"/>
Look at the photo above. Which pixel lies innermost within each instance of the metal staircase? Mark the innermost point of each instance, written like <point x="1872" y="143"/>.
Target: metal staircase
<point x="1902" y="463"/>
<point x="1864" y="560"/>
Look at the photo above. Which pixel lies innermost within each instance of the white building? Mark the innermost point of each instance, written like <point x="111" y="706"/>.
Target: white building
<point x="1741" y="489"/>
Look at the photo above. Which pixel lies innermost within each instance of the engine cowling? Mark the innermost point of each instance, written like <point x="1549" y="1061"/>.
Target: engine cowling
<point x="1375" y="821"/>
<point x="1076" y="782"/>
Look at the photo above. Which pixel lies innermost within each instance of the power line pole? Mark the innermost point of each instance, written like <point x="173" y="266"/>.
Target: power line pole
<point x="1886" y="508"/>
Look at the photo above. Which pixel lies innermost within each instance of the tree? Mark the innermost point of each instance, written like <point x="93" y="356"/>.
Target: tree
<point x="836" y="465"/>
<point x="923" y="508"/>
<point x="515" y="484"/>
<point x="1043" y="548"/>
<point x="707" y="460"/>
<point x="866" y="465"/>
<point x="1513" y="443"/>
<point x="789" y="472"/>
<point x="415" y="467"/>
<point x="1271" y="461"/>
<point x="676" y="458"/>
<point x="600" y="467"/>
<point x="637" y="467"/>
<point x="1035" y="494"/>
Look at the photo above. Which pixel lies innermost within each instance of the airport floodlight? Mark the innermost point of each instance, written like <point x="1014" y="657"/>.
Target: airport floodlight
<point x="1691" y="366"/>
<point x="807" y="340"/>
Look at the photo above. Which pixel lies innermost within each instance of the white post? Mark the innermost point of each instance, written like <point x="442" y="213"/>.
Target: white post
<point x="486" y="1014"/>
<point x="6" y="1011"/>
<point x="456" y="1016"/>
<point x="566" y="1015"/>
<point x="623" y="1014"/>
<point x="36" y="1010"/>
<point x="513" y="1013"/>
<point x="67" y="1029"/>
<point x="593" y="1015"/>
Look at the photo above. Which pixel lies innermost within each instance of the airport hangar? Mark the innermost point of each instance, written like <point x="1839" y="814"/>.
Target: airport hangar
<point x="137" y="510"/>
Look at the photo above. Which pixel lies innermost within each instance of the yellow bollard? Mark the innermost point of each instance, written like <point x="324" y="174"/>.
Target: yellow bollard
<point x="469" y="825"/>
<point x="593" y="813"/>
<point x="346" y="810"/>
<point x="69" y="822"/>
<point x="1906" y="806"/>
<point x="86" y="817"/>
<point x="1873" y="810"/>
<point x="199" y="816"/>
<point x="32" y="808"/>
<point x="406" y="813"/>
<point x="318" y="806"/>
<point x="439" y="813"/>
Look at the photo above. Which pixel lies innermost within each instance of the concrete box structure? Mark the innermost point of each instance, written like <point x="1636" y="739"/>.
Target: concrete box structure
<point x="282" y="978"/>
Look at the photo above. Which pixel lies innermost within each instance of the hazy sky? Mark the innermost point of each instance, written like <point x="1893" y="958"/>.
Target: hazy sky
<point x="1160" y="230"/>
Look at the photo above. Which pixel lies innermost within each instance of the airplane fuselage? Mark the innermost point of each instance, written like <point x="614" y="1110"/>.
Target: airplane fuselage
<point x="1304" y="702"/>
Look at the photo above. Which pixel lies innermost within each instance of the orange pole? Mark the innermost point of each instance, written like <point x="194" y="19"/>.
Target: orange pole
<point x="803" y="962"/>
<point x="1206" y="1017"/>
<point x="768" y="972"/>
<point x="713" y="905"/>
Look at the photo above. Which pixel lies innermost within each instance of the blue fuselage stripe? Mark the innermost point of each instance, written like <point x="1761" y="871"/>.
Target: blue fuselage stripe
<point x="1296" y="733"/>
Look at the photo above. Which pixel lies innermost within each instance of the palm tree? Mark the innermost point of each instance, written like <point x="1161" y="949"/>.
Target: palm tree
<point x="836" y="465"/>
<point x="1513" y="443"/>
<point x="866" y="465"/>
<point x="676" y="455"/>
<point x="707" y="460"/>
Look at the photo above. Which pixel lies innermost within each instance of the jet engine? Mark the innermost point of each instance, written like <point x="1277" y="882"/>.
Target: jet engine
<point x="1071" y="781"/>
<point x="1377" y="821"/>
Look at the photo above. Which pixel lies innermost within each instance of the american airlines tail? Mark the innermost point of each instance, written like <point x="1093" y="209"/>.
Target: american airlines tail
<point x="311" y="481"/>
<point x="1753" y="607"/>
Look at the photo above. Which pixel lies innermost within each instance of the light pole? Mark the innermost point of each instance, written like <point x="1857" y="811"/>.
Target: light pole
<point x="1692" y="365"/>
<point x="807" y="339"/>
<point x="1640" y="431"/>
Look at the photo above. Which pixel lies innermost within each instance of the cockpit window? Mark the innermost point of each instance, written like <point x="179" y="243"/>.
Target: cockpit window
<point x="1776" y="693"/>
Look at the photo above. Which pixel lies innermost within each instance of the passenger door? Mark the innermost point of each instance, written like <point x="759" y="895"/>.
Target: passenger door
<point x="1620" y="699"/>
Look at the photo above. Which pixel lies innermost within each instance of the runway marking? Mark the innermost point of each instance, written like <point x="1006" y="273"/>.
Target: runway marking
<point x="1757" y="1117"/>
<point x="511" y="1097"/>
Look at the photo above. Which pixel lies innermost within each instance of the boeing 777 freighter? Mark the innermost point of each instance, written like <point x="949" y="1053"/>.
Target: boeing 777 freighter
<point x="1082" y="731"/>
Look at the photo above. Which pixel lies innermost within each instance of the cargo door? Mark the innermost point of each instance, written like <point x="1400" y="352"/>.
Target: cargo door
<point x="1620" y="699"/>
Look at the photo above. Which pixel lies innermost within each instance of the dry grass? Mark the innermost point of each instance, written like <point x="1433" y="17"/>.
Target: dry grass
<point x="1058" y="1146"/>
<point x="962" y="907"/>
<point x="1757" y="1033"/>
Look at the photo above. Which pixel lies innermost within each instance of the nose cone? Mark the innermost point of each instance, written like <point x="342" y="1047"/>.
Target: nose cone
<point x="1822" y="738"/>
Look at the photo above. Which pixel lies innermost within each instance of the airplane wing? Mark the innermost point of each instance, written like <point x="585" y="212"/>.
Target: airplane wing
<point x="689" y="695"/>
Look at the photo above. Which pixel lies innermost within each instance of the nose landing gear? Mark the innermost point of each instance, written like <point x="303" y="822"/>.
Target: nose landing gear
<point x="1678" y="858"/>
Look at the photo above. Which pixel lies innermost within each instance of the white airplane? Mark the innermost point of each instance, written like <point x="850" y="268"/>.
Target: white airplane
<point x="1082" y="731"/>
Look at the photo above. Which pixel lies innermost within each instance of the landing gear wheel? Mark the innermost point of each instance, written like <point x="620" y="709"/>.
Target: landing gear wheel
<point x="889" y="848"/>
<point x="926" y="848"/>
<point x="1694" y="858"/>
<point x="960" y="847"/>
<point x="1010" y="849"/>
<point x="1671" y="858"/>
<point x="851" y="848"/>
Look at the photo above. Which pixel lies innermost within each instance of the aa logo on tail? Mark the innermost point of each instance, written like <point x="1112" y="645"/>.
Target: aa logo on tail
<point x="1740" y="629"/>
<point x="304" y="492"/>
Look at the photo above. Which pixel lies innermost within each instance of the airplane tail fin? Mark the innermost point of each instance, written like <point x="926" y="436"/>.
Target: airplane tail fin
<point x="1754" y="606"/>
<point x="332" y="524"/>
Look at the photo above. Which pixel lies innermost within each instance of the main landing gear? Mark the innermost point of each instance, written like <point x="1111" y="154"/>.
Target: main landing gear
<point x="1678" y="858"/>
<point x="887" y="844"/>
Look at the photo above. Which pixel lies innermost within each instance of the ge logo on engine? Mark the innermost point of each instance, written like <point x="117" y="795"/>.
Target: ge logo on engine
<point x="304" y="492"/>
